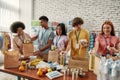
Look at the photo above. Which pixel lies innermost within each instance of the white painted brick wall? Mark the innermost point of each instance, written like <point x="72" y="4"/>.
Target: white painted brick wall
<point x="94" y="12"/>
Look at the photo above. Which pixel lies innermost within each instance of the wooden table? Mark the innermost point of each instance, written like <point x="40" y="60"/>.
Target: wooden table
<point x="31" y="74"/>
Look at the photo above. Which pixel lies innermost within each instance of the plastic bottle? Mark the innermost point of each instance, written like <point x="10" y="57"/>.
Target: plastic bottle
<point x="62" y="60"/>
<point x="114" y="71"/>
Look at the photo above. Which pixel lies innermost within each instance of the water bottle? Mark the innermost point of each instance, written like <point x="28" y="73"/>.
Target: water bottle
<point x="62" y="59"/>
<point x="114" y="71"/>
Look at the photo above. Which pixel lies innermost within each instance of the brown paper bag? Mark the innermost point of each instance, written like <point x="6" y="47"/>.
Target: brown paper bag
<point x="28" y="49"/>
<point x="96" y="65"/>
<point x="81" y="63"/>
<point x="53" y="56"/>
<point x="11" y="59"/>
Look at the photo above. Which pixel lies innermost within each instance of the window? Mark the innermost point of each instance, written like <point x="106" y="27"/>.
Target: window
<point x="9" y="12"/>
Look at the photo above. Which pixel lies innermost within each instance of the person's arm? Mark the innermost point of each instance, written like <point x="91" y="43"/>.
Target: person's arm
<point x="29" y="37"/>
<point x="68" y="45"/>
<point x="65" y="44"/>
<point x="119" y="46"/>
<point x="49" y="42"/>
<point x="34" y="38"/>
<point x="116" y="49"/>
<point x="17" y="47"/>
<point x="95" y="49"/>
<point x="88" y="40"/>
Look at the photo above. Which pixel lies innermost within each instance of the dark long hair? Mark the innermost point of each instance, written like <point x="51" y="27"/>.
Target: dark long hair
<point x="111" y="24"/>
<point x="62" y="25"/>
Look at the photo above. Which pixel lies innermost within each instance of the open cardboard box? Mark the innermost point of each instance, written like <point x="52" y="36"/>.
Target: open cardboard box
<point x="80" y="63"/>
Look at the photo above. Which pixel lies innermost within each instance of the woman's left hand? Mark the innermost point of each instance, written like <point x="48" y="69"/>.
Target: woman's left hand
<point x="113" y="49"/>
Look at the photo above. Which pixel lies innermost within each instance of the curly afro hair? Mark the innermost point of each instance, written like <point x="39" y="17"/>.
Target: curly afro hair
<point x="16" y="25"/>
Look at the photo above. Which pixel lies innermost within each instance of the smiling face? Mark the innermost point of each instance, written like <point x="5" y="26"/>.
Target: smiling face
<point x="59" y="30"/>
<point x="107" y="29"/>
<point x="19" y="31"/>
<point x="78" y="27"/>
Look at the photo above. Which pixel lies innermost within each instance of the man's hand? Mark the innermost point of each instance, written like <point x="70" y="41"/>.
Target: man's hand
<point x="36" y="53"/>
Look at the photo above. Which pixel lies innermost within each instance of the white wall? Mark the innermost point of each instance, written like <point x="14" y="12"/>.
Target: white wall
<point x="94" y="12"/>
<point x="26" y="13"/>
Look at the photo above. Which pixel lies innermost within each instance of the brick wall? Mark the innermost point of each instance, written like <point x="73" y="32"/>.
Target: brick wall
<point x="94" y="12"/>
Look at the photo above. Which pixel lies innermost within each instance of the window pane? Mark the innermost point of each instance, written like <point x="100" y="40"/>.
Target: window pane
<point x="9" y="12"/>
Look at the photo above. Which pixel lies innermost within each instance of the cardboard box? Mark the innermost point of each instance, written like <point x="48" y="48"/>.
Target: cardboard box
<point x="81" y="63"/>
